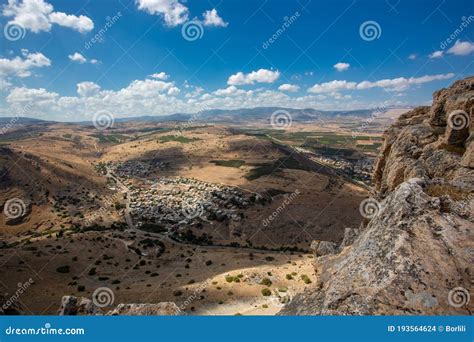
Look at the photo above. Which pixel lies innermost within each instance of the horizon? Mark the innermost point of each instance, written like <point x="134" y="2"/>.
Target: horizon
<point x="65" y="61"/>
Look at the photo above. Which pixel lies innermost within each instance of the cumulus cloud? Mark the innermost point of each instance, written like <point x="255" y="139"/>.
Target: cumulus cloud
<point x="160" y="76"/>
<point x="38" y="96"/>
<point x="81" y="23"/>
<point x="289" y="87"/>
<point x="212" y="18"/>
<point x="22" y="67"/>
<point x="399" y="83"/>
<point x="259" y="76"/>
<point x="87" y="89"/>
<point x="412" y="57"/>
<point x="436" y="54"/>
<point x="38" y="15"/>
<point x="77" y="57"/>
<point x="461" y="48"/>
<point x="341" y="66"/>
<point x="173" y="12"/>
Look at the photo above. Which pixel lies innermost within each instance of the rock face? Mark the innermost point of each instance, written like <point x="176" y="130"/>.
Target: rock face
<point x="71" y="306"/>
<point x="415" y="255"/>
<point x="160" y="309"/>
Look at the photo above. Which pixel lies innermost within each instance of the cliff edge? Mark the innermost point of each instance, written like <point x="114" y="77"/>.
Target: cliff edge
<point x="415" y="250"/>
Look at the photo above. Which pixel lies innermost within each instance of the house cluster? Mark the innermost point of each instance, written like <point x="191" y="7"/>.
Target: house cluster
<point x="135" y="168"/>
<point x="175" y="202"/>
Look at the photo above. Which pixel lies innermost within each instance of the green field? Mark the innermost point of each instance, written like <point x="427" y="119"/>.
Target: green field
<point x="177" y="138"/>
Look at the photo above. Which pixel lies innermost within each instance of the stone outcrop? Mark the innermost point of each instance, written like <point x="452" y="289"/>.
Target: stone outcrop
<point x="160" y="309"/>
<point x="71" y="306"/>
<point x="415" y="255"/>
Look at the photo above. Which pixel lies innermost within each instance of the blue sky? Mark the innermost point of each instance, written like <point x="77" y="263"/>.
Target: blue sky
<point x="146" y="63"/>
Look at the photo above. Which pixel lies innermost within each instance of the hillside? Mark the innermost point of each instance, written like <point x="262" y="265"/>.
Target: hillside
<point x="414" y="255"/>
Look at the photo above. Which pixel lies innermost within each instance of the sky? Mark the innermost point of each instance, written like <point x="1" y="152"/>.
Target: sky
<point x="68" y="60"/>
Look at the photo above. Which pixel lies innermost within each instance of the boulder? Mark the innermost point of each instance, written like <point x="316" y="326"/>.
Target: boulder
<point x="159" y="309"/>
<point x="321" y="248"/>
<point x="72" y="306"/>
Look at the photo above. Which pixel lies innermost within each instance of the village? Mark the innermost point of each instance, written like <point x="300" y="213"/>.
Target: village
<point x="171" y="203"/>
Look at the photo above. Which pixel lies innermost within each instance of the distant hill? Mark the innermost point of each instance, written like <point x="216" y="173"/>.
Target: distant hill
<point x="233" y="116"/>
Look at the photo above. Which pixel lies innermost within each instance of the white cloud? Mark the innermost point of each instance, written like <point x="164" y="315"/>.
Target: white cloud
<point x="87" y="89"/>
<point x="38" y="15"/>
<point x="436" y="54"/>
<point x="36" y="96"/>
<point x="399" y="83"/>
<point x="412" y="57"/>
<point x="160" y="76"/>
<point x="332" y="86"/>
<point x="172" y="11"/>
<point x="77" y="57"/>
<point x="21" y="67"/>
<point x="81" y="23"/>
<point x="461" y="48"/>
<point x="229" y="91"/>
<point x="289" y="87"/>
<point x="260" y="76"/>
<point x="341" y="66"/>
<point x="212" y="18"/>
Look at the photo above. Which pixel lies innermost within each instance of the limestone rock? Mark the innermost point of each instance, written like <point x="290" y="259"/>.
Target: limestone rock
<point x="160" y="309"/>
<point x="72" y="306"/>
<point x="415" y="255"/>
<point x="321" y="248"/>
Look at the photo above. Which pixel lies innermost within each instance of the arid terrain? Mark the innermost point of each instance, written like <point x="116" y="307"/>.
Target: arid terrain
<point x="218" y="219"/>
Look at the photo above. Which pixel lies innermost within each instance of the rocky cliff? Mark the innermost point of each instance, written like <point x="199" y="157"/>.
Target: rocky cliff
<point x="414" y="253"/>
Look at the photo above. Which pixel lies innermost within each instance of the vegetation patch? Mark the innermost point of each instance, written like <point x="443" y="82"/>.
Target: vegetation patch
<point x="178" y="138"/>
<point x="229" y="163"/>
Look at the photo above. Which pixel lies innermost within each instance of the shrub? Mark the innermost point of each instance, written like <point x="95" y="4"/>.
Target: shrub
<point x="289" y="277"/>
<point x="266" y="292"/>
<point x="63" y="269"/>
<point x="306" y="279"/>
<point x="266" y="282"/>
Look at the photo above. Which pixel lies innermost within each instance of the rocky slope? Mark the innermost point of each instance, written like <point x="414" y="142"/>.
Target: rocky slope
<point x="414" y="254"/>
<point x="72" y="306"/>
